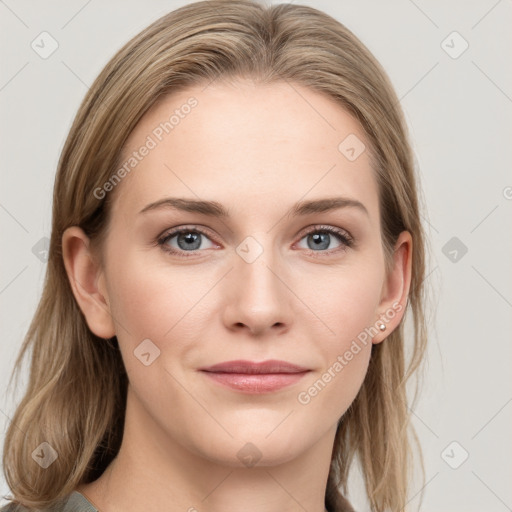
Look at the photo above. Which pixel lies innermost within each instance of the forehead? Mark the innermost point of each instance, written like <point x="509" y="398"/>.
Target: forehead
<point x="269" y="144"/>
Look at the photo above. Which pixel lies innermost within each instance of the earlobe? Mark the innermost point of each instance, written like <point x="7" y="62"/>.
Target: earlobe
<point x="87" y="282"/>
<point x="395" y="293"/>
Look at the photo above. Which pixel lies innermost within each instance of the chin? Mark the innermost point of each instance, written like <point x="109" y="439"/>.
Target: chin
<point x="254" y="449"/>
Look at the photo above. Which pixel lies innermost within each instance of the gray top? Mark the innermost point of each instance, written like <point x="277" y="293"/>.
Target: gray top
<point x="76" y="502"/>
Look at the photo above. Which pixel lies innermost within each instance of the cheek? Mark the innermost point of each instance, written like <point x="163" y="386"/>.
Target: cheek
<point x="153" y="300"/>
<point x="156" y="303"/>
<point x="348" y="309"/>
<point x="149" y="299"/>
<point x="348" y="303"/>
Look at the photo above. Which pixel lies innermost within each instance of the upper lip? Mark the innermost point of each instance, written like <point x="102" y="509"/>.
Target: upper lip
<point x="250" y="367"/>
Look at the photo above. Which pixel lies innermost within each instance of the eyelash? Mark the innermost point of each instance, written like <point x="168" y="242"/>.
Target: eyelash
<point x="342" y="236"/>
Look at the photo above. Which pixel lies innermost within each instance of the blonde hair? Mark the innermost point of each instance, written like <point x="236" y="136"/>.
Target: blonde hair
<point x="76" y="393"/>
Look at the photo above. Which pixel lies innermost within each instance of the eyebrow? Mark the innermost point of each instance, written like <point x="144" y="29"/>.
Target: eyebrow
<point x="215" y="209"/>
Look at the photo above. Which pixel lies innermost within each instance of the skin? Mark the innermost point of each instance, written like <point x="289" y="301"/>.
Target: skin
<point x="257" y="150"/>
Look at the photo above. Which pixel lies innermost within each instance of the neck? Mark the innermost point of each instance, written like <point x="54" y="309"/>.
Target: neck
<point x="153" y="472"/>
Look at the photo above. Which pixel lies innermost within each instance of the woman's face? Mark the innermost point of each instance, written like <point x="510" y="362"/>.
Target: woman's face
<point x="279" y="277"/>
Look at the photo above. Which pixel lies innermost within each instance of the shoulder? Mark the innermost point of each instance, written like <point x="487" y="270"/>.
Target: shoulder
<point x="75" y="502"/>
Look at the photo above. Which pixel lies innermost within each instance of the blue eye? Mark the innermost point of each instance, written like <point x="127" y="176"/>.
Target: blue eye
<point x="187" y="239"/>
<point x="319" y="238"/>
<point x="190" y="240"/>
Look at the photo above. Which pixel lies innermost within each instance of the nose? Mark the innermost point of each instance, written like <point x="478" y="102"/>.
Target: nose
<point x="257" y="297"/>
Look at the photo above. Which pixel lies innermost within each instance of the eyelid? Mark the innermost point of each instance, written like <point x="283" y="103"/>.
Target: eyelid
<point x="330" y="229"/>
<point x="185" y="227"/>
<point x="346" y="239"/>
<point x="172" y="232"/>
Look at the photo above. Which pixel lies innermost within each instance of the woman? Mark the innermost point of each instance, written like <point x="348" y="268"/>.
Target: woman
<point x="236" y="240"/>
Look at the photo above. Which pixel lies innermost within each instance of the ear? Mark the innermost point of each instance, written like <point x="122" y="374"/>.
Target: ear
<point x="396" y="288"/>
<point x="87" y="282"/>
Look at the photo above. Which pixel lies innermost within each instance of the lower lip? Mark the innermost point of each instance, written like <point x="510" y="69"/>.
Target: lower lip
<point x="256" y="383"/>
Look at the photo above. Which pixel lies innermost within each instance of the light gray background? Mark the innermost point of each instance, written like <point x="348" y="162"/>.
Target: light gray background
<point x="459" y="112"/>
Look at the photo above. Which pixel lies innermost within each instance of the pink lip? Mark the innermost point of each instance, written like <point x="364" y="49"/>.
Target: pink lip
<point x="251" y="377"/>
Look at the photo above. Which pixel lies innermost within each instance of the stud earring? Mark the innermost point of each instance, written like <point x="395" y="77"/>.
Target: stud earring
<point x="382" y="327"/>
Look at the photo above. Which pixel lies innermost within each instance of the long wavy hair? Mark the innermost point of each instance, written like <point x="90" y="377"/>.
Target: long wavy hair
<point x="76" y="394"/>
